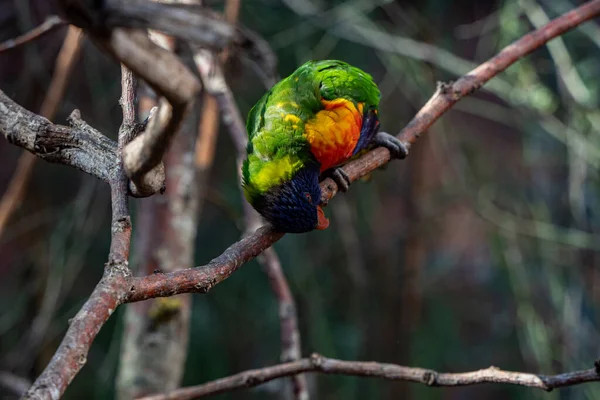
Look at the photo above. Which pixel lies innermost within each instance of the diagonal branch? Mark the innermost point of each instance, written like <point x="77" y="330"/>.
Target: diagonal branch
<point x="51" y="23"/>
<point x="216" y="85"/>
<point x="117" y="286"/>
<point x="202" y="279"/>
<point x="318" y="363"/>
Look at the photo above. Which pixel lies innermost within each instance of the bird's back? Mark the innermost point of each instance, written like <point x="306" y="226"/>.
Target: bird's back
<point x="313" y="115"/>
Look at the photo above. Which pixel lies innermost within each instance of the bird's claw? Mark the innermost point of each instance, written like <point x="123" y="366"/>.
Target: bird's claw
<point x="341" y="178"/>
<point x="396" y="147"/>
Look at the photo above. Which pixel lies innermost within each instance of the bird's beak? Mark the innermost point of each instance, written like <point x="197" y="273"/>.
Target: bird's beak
<point x="323" y="222"/>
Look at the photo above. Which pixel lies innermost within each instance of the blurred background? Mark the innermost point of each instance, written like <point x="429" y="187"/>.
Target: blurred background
<point x="481" y="248"/>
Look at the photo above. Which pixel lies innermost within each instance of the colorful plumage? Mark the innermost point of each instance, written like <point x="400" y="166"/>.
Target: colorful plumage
<point x="310" y="122"/>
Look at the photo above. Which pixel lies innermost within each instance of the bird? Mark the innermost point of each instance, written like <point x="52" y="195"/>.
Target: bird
<point x="306" y="127"/>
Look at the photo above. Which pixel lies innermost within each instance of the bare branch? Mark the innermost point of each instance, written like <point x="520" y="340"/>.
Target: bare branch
<point x="209" y="120"/>
<point x="447" y="95"/>
<point x="202" y="279"/>
<point x="11" y="199"/>
<point x="65" y="62"/>
<point x="79" y="146"/>
<point x="291" y="347"/>
<point x="167" y="75"/>
<point x="318" y="363"/>
<point x="71" y="355"/>
<point x="188" y="22"/>
<point x="51" y="23"/>
<point x="208" y="65"/>
<point x="117" y="286"/>
<point x="215" y="84"/>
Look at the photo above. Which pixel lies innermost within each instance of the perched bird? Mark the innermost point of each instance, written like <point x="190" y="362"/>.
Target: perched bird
<point x="309" y="123"/>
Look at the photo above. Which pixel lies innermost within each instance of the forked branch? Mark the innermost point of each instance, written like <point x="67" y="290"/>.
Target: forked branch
<point x="117" y="286"/>
<point x="202" y="279"/>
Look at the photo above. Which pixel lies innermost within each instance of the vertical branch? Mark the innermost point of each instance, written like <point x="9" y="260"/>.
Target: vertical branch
<point x="121" y="221"/>
<point x="62" y="69"/>
<point x="208" y="129"/>
<point x="215" y="84"/>
<point x="71" y="355"/>
<point x="291" y="349"/>
<point x="155" y="345"/>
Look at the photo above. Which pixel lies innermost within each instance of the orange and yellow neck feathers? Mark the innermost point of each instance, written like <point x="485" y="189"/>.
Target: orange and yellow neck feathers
<point x="334" y="131"/>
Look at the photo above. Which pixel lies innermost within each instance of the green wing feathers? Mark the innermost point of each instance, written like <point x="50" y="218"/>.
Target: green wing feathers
<point x="277" y="146"/>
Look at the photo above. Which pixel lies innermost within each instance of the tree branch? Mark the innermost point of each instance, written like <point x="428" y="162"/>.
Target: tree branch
<point x="79" y="146"/>
<point x="51" y="23"/>
<point x="161" y="69"/>
<point x="188" y="22"/>
<point x="71" y="355"/>
<point x="117" y="286"/>
<point x="318" y="363"/>
<point x="156" y="337"/>
<point x="167" y="75"/>
<point x="291" y="347"/>
<point x="215" y="84"/>
<point x="202" y="279"/>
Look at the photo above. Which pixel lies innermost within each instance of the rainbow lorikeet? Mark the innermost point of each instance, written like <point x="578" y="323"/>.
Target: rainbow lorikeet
<point x="309" y="123"/>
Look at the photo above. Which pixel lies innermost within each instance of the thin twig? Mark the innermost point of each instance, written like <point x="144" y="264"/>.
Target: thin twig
<point x="62" y="70"/>
<point x="291" y="347"/>
<point x="65" y="62"/>
<point x="318" y="363"/>
<point x="209" y="119"/>
<point x="16" y="188"/>
<point x="51" y="23"/>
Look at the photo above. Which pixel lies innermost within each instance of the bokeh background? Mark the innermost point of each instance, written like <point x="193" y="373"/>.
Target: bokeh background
<point x="482" y="248"/>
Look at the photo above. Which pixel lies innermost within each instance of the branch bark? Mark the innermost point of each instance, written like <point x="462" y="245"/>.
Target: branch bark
<point x="156" y="337"/>
<point x="79" y="146"/>
<point x="216" y="85"/>
<point x="188" y="22"/>
<point x="71" y="355"/>
<point x="167" y="75"/>
<point x="429" y="377"/>
<point x="202" y="279"/>
<point x="51" y="23"/>
<point x="117" y="286"/>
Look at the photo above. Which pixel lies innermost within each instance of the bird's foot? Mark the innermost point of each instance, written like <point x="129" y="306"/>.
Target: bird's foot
<point x="340" y="177"/>
<point x="396" y="147"/>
